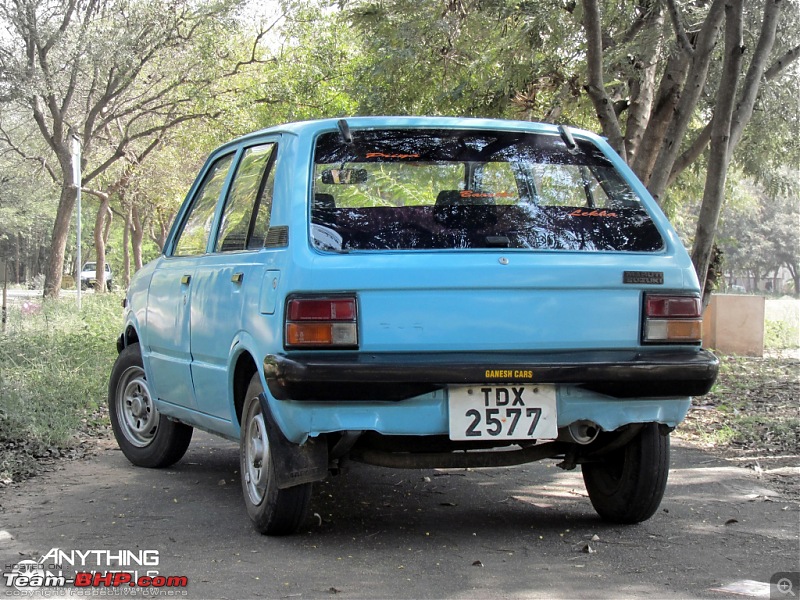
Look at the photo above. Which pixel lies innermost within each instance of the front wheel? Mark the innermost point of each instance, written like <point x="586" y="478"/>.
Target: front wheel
<point x="145" y="437"/>
<point x="274" y="511"/>
<point x="627" y="486"/>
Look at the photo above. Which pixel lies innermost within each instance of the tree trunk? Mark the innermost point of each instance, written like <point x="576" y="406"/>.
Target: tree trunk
<point x="101" y="223"/>
<point x="669" y="91"/>
<point x="58" y="244"/>
<point x="126" y="251"/>
<point x="721" y="147"/>
<point x="163" y="232"/>
<point x="137" y="234"/>
<point x="795" y="273"/>
<point x="17" y="264"/>
<point x="643" y="88"/>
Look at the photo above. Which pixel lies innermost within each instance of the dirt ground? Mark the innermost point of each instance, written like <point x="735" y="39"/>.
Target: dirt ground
<point x="752" y="418"/>
<point x="522" y="532"/>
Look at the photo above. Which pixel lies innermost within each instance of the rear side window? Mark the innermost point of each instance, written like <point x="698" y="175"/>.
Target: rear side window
<point x="249" y="202"/>
<point x="408" y="189"/>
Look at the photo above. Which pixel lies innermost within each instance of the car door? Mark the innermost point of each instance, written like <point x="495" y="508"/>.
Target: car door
<point x="168" y="304"/>
<point x="229" y="281"/>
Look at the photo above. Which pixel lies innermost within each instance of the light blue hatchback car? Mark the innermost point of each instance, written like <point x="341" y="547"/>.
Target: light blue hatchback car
<point x="415" y="293"/>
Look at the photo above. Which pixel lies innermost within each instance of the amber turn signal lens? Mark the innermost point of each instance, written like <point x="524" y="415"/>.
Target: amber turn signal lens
<point x="674" y="330"/>
<point x="321" y="334"/>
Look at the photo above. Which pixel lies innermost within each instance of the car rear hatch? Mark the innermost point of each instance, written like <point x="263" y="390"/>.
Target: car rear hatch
<point x="447" y="256"/>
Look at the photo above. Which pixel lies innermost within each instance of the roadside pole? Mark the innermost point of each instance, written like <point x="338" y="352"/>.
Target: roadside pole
<point x="76" y="176"/>
<point x="5" y="295"/>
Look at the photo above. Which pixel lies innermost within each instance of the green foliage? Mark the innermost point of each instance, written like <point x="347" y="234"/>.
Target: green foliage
<point x="758" y="231"/>
<point x="55" y="367"/>
<point x="780" y="335"/>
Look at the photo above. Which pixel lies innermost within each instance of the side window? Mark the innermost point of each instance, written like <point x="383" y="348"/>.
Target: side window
<point x="263" y="209"/>
<point x="572" y="185"/>
<point x="197" y="227"/>
<point x="246" y="201"/>
<point x="560" y="185"/>
<point x="496" y="180"/>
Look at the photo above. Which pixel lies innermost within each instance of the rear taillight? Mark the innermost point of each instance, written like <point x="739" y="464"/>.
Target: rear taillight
<point x="321" y="323"/>
<point x="672" y="319"/>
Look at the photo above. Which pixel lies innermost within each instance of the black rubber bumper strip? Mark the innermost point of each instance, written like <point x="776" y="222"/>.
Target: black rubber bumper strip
<point x="398" y="376"/>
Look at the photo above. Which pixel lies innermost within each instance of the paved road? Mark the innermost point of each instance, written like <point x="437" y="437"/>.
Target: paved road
<point x="513" y="532"/>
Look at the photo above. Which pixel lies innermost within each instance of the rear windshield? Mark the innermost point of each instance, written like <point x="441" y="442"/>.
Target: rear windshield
<point x="449" y="189"/>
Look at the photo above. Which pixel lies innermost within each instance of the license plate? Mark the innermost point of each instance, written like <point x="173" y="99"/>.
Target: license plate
<point x="503" y="412"/>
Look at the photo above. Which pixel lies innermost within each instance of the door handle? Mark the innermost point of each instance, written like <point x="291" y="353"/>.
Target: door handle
<point x="186" y="279"/>
<point x="237" y="277"/>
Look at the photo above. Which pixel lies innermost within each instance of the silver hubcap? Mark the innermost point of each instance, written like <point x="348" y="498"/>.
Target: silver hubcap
<point x="256" y="456"/>
<point x="138" y="417"/>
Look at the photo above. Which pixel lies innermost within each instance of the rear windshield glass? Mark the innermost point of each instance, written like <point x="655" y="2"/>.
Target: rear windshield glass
<point x="407" y="189"/>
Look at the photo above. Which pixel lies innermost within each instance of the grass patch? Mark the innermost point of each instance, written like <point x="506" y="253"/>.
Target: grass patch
<point x="780" y="335"/>
<point x="54" y="368"/>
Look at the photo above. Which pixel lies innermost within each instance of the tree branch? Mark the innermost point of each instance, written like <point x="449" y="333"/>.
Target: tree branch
<point x="595" y="85"/>
<point x="677" y="24"/>
<point x="752" y="81"/>
<point x="695" y="83"/>
<point x="781" y="63"/>
<point x="40" y="160"/>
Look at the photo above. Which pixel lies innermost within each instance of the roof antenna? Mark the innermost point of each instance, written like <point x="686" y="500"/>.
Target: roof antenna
<point x="569" y="141"/>
<point x="344" y="131"/>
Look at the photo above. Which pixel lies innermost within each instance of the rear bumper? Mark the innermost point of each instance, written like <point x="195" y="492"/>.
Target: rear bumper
<point x="328" y="376"/>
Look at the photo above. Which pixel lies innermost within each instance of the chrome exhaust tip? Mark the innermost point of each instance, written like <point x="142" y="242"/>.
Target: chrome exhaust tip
<point x="583" y="432"/>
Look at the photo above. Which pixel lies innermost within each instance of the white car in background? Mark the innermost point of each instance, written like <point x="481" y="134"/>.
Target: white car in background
<point x="89" y="276"/>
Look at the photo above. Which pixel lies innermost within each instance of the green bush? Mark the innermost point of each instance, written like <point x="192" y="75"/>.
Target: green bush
<point x="54" y="368"/>
<point x="780" y="335"/>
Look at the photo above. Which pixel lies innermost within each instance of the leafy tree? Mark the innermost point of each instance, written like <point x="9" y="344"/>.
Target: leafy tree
<point x="110" y="73"/>
<point x="25" y="211"/>
<point x="665" y="85"/>
<point x="758" y="232"/>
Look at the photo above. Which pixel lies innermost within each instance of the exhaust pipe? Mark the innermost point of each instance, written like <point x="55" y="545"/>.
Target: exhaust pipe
<point x="580" y="432"/>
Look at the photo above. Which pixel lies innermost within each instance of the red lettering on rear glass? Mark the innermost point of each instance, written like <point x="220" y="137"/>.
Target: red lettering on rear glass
<point x="594" y="213"/>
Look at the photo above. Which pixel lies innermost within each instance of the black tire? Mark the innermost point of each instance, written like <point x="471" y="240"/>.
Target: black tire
<point x="274" y="511"/>
<point x="145" y="438"/>
<point x="627" y="487"/>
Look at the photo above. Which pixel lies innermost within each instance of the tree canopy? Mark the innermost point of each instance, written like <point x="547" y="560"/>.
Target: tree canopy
<point x="683" y="89"/>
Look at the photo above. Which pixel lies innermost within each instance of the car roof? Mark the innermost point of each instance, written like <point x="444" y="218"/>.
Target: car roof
<point x="320" y="125"/>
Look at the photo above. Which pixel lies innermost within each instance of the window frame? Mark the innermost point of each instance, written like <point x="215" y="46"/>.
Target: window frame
<point x="257" y="205"/>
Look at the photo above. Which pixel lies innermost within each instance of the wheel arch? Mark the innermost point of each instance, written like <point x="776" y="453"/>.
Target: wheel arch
<point x="129" y="336"/>
<point x="244" y="369"/>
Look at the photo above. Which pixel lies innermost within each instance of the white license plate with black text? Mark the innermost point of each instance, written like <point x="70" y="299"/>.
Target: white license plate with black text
<point x="503" y="412"/>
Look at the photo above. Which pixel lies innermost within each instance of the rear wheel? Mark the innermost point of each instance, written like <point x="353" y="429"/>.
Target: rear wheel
<point x="274" y="511"/>
<point x="627" y="486"/>
<point x="145" y="437"/>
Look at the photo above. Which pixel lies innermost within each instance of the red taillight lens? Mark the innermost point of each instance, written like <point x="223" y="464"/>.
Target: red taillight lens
<point x="321" y="323"/>
<point x="672" y="319"/>
<point x="672" y="306"/>
<point x="322" y="309"/>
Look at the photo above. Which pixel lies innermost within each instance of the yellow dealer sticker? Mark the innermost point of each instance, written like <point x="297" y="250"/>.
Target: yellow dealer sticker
<point x="508" y="374"/>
